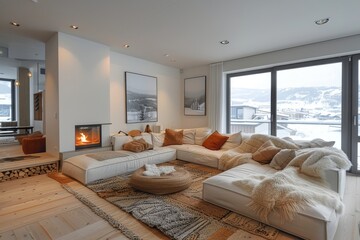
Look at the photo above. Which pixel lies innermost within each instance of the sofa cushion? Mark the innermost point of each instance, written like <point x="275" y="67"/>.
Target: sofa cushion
<point x="312" y="222"/>
<point x="173" y="137"/>
<point x="189" y="136"/>
<point x="158" y="139"/>
<point x="198" y="154"/>
<point x="86" y="169"/>
<point x="253" y="143"/>
<point x="215" y="141"/>
<point x="314" y="143"/>
<point x="233" y="141"/>
<point x="201" y="134"/>
<point x="266" y="152"/>
<point x="282" y="159"/>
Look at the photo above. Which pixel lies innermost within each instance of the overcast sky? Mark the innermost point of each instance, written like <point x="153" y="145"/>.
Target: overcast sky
<point x="328" y="75"/>
<point x="141" y="84"/>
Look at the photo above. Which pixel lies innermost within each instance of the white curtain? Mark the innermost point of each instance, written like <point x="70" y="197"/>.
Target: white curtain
<point x="217" y="106"/>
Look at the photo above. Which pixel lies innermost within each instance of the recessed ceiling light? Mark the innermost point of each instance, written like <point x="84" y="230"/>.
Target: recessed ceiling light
<point x="1" y="52"/>
<point x="35" y="1"/>
<point x="166" y="55"/>
<point x="74" y="27"/>
<point x="224" y="42"/>
<point x="126" y="46"/>
<point x="322" y="21"/>
<point x="15" y="24"/>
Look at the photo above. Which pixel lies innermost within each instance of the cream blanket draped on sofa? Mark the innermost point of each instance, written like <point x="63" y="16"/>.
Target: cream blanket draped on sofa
<point x="300" y="184"/>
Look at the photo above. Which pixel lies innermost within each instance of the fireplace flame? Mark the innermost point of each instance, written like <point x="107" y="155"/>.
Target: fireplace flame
<point x="83" y="138"/>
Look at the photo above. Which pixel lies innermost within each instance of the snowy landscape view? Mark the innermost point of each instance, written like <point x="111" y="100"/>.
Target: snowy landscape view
<point x="302" y="112"/>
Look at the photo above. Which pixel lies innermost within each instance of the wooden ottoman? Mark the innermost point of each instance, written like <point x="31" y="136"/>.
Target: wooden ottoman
<point x="164" y="184"/>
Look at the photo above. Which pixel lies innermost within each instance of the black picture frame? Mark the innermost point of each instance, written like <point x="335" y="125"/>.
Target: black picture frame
<point x="195" y="96"/>
<point x="141" y="98"/>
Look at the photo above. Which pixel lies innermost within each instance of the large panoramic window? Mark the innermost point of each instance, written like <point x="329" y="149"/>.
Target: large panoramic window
<point x="302" y="101"/>
<point x="309" y="102"/>
<point x="7" y="100"/>
<point x="250" y="101"/>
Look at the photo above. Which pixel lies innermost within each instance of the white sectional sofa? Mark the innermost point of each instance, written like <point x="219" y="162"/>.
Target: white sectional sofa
<point x="312" y="222"/>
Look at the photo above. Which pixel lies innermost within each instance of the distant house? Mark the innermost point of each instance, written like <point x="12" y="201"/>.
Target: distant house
<point x="242" y="112"/>
<point x="5" y="107"/>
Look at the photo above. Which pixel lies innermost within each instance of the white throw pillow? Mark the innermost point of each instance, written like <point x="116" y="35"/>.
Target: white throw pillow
<point x="158" y="139"/>
<point x="233" y="141"/>
<point x="189" y="136"/>
<point x="201" y="134"/>
<point x="146" y="136"/>
<point x="118" y="140"/>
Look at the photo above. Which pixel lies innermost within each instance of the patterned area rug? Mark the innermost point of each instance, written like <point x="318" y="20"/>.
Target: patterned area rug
<point x="183" y="215"/>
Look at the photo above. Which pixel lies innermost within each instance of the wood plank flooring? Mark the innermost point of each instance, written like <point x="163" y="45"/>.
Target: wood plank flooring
<point x="39" y="208"/>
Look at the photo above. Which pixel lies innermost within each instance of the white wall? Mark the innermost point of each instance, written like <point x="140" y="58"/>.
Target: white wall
<point x="321" y="50"/>
<point x="195" y="121"/>
<point x="169" y="87"/>
<point x="52" y="96"/>
<point x="84" y="83"/>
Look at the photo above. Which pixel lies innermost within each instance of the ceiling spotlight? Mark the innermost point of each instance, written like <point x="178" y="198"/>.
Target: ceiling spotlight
<point x="35" y="1"/>
<point x="74" y="27"/>
<point x="166" y="55"/>
<point x="224" y="42"/>
<point x="126" y="46"/>
<point x="15" y="24"/>
<point x="29" y="74"/>
<point x="322" y="21"/>
<point x="17" y="83"/>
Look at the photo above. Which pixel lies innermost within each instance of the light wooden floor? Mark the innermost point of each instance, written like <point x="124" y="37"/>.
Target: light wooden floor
<point x="39" y="208"/>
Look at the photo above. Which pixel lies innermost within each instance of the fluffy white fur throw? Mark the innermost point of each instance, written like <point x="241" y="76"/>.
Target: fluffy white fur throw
<point x="153" y="170"/>
<point x="314" y="161"/>
<point x="286" y="192"/>
<point x="289" y="190"/>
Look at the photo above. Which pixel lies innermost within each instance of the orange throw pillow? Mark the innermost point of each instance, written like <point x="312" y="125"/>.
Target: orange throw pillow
<point x="215" y="141"/>
<point x="173" y="137"/>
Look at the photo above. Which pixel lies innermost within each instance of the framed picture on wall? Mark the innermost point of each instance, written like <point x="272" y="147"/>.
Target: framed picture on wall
<point x="141" y="98"/>
<point x="195" y="96"/>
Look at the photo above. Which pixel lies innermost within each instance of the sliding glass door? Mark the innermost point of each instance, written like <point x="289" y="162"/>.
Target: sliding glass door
<point x="356" y="114"/>
<point x="309" y="102"/>
<point x="7" y="100"/>
<point x="250" y="102"/>
<point x="317" y="99"/>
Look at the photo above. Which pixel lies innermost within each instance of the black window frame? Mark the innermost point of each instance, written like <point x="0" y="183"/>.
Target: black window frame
<point x="347" y="108"/>
<point x="13" y="97"/>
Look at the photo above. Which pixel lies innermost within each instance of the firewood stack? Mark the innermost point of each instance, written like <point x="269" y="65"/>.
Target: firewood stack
<point x="27" y="172"/>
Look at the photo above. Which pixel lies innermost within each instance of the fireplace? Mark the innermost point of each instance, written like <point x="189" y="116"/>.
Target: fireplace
<point x="87" y="136"/>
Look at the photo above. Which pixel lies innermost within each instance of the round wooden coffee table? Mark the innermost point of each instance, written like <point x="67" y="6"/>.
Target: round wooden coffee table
<point x="164" y="184"/>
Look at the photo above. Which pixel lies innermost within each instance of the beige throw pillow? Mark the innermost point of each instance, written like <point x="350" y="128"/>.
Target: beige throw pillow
<point x="266" y="152"/>
<point x="233" y="141"/>
<point x="282" y="159"/>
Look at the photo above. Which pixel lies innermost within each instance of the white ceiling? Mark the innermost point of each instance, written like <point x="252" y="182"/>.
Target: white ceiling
<point x="188" y="30"/>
